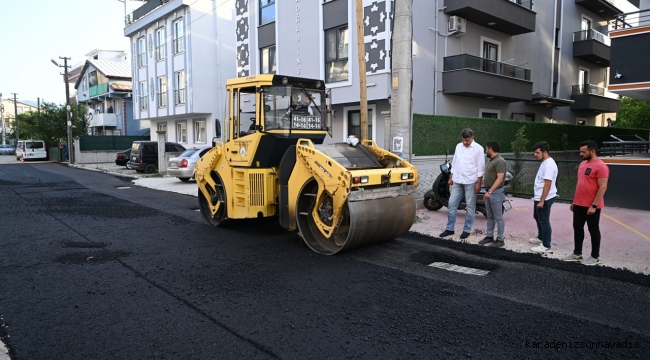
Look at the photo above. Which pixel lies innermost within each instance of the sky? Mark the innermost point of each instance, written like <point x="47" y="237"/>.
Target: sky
<point x="35" y="31"/>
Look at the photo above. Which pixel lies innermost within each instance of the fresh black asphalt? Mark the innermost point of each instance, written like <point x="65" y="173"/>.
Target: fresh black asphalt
<point x="92" y="271"/>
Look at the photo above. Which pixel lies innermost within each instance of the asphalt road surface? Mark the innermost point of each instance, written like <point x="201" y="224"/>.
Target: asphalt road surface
<point x="92" y="267"/>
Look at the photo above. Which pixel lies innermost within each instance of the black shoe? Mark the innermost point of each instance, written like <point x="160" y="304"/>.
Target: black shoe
<point x="446" y="233"/>
<point x="487" y="240"/>
<point x="497" y="244"/>
<point x="464" y="235"/>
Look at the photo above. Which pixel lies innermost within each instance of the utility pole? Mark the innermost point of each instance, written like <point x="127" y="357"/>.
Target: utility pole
<point x="400" y="108"/>
<point x="16" y="117"/>
<point x="2" y="118"/>
<point x="67" y="105"/>
<point x="361" y="56"/>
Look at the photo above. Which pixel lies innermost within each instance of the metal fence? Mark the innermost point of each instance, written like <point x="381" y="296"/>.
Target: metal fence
<point x="525" y="170"/>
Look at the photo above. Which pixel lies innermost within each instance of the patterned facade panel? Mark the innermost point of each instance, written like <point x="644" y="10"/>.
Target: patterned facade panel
<point x="243" y="39"/>
<point x="377" y="17"/>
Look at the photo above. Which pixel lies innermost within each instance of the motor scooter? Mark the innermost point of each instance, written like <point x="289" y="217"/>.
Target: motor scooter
<point x="440" y="192"/>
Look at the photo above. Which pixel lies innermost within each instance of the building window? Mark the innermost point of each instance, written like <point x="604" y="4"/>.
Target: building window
<point x="524" y="116"/>
<point x="179" y="85"/>
<point x="162" y="126"/>
<point x="199" y="131"/>
<point x="181" y="132"/>
<point x="160" y="44"/>
<point x="489" y="113"/>
<point x="267" y="11"/>
<point x="336" y="54"/>
<point x="161" y="96"/>
<point x="267" y="65"/>
<point x="143" y="95"/>
<point x="179" y="31"/>
<point x="142" y="52"/>
<point x="354" y="123"/>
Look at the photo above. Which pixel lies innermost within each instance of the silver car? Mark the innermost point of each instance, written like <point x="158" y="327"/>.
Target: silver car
<point x="7" y="150"/>
<point x="183" y="165"/>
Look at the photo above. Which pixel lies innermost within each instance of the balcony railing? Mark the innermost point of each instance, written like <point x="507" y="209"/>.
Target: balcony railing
<point x="466" y="61"/>
<point x="98" y="89"/>
<point x="143" y="103"/>
<point x="179" y="45"/>
<point x="160" y="52"/>
<point x="142" y="60"/>
<point x="591" y="34"/>
<point x="179" y="96"/>
<point x="589" y="89"/>
<point x="631" y="20"/>
<point x="161" y="99"/>
<point x="528" y="4"/>
<point x="143" y="10"/>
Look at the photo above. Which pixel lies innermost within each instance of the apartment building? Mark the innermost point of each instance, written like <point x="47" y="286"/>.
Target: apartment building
<point x="511" y="59"/>
<point x="9" y="115"/>
<point x="630" y="74"/>
<point x="103" y="83"/>
<point x="184" y="51"/>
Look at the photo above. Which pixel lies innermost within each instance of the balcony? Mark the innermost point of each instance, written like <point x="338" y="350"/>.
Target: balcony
<point x="592" y="46"/>
<point x="143" y="10"/>
<point x="630" y="74"/>
<point x="143" y="103"/>
<point x="102" y="120"/>
<point x="512" y="17"/>
<point x="606" y="9"/>
<point x="472" y="76"/>
<point x="594" y="98"/>
<point x="161" y="99"/>
<point x="97" y="90"/>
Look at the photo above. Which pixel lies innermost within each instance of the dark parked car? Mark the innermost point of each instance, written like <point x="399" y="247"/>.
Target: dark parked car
<point x="122" y="158"/>
<point x="144" y="155"/>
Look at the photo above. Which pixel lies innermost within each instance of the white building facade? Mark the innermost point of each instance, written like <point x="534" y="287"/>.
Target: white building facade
<point x="183" y="53"/>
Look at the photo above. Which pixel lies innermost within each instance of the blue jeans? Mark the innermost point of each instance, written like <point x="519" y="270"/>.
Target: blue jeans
<point x="457" y="193"/>
<point x="494" y="209"/>
<point x="543" y="218"/>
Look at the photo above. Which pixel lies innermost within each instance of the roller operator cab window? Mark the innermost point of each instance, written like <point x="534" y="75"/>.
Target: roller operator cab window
<point x="293" y="108"/>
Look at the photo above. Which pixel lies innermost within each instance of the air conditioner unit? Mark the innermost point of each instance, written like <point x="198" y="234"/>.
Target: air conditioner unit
<point x="456" y="25"/>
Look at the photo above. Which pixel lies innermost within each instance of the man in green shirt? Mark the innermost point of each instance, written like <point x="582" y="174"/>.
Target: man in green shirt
<point x="495" y="172"/>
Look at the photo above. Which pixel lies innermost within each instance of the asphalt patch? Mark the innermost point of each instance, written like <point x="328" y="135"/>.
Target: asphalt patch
<point x="624" y="275"/>
<point x="93" y="257"/>
<point x="428" y="257"/>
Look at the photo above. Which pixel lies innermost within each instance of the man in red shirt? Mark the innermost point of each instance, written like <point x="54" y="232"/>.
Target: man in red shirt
<point x="587" y="202"/>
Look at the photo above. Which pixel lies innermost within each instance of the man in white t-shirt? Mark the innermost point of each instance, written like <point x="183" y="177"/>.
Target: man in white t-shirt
<point x="545" y="194"/>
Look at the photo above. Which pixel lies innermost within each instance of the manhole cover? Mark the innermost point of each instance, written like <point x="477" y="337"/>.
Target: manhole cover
<point x="460" y="269"/>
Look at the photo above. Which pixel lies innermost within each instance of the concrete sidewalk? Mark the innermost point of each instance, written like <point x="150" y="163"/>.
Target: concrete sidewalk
<point x="625" y="233"/>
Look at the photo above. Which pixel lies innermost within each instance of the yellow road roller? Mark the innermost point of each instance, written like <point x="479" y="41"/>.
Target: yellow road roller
<point x="273" y="162"/>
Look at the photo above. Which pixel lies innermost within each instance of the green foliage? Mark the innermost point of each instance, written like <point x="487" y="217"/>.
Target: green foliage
<point x="519" y="149"/>
<point x="634" y="114"/>
<point x="433" y="134"/>
<point x="50" y="124"/>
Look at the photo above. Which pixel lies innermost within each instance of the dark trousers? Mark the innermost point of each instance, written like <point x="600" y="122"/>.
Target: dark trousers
<point x="580" y="216"/>
<point x="543" y="219"/>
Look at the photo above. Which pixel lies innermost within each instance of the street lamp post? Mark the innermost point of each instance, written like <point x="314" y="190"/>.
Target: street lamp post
<point x="67" y="105"/>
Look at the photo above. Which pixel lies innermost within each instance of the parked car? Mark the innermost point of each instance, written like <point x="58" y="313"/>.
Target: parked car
<point x="183" y="165"/>
<point x="7" y="150"/>
<point x="31" y="149"/>
<point x="122" y="158"/>
<point x="144" y="155"/>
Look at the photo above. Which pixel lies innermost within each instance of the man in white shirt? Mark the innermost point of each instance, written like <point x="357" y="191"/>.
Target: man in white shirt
<point x="545" y="193"/>
<point x="467" y="170"/>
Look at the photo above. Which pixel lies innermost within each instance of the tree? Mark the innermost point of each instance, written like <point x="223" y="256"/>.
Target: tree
<point x="634" y="114"/>
<point x="50" y="123"/>
<point x="519" y="149"/>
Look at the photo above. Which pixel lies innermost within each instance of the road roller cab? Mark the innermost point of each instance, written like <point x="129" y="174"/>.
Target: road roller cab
<point x="273" y="162"/>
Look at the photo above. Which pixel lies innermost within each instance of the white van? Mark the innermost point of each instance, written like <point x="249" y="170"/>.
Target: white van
<point x="31" y="149"/>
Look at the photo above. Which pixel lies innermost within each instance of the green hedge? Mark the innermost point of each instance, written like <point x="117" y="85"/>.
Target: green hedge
<point x="433" y="134"/>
